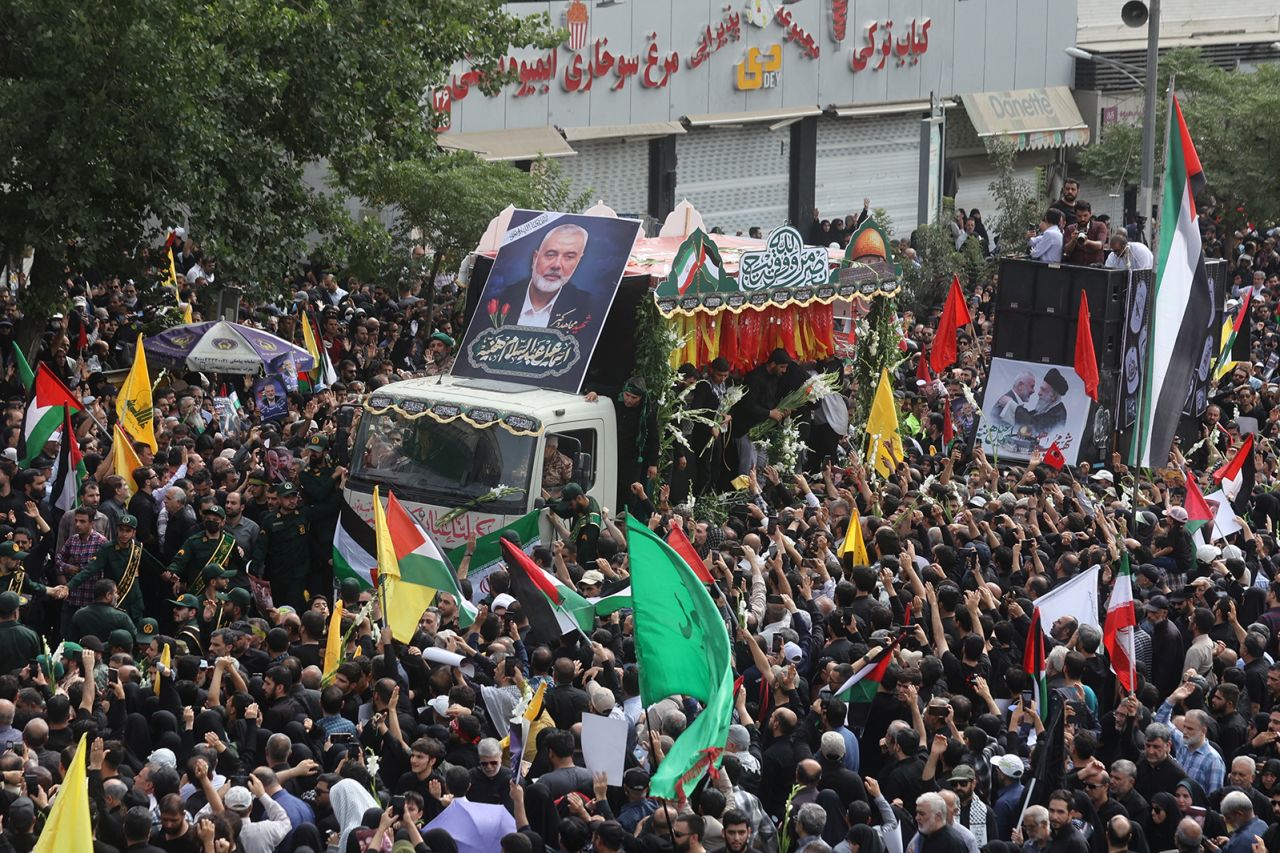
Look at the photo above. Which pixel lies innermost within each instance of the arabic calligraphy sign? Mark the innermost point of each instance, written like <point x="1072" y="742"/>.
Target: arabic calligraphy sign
<point x="906" y="50"/>
<point x="785" y="262"/>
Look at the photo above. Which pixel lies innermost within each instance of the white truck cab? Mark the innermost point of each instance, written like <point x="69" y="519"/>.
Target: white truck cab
<point x="441" y="443"/>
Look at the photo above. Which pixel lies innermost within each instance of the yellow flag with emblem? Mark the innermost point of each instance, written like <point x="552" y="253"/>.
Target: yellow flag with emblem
<point x="853" y="542"/>
<point x="884" y="444"/>
<point x="124" y="461"/>
<point x="133" y="404"/>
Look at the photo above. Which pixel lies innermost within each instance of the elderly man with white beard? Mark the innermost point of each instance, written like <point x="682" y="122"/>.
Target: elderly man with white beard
<point x="549" y="299"/>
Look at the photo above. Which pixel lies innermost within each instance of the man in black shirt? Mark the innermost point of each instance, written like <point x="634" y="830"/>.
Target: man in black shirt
<point x="936" y="834"/>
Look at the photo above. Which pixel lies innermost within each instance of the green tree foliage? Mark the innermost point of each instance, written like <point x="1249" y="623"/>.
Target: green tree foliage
<point x="925" y="286"/>
<point x="1234" y="120"/>
<point x="1019" y="203"/>
<point x="126" y="117"/>
<point x="451" y="197"/>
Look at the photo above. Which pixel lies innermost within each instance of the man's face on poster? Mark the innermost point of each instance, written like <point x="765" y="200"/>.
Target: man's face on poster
<point x="1024" y="385"/>
<point x="555" y="261"/>
<point x="1047" y="394"/>
<point x="269" y="394"/>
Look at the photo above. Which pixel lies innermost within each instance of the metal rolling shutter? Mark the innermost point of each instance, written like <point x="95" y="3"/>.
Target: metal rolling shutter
<point x="876" y="157"/>
<point x="615" y="171"/>
<point x="736" y="177"/>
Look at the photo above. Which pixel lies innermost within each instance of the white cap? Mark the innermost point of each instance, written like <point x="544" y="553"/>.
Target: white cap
<point x="164" y="757"/>
<point x="1009" y="765"/>
<point x="440" y="705"/>
<point x="502" y="600"/>
<point x="1103" y="474"/>
<point x="792" y="653"/>
<point x="10" y="453"/>
<point x="238" y="799"/>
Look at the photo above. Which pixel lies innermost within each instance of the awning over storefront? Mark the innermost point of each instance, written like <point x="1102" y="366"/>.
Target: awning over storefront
<point x="526" y="143"/>
<point x="1029" y="118"/>
<point x="777" y="117"/>
<point x="897" y="108"/>
<point x="623" y="131"/>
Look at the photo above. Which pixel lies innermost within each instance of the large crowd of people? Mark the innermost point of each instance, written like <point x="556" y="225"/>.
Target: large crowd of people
<point x="211" y="726"/>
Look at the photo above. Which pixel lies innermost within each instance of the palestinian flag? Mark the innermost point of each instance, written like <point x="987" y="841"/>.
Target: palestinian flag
<point x="355" y="548"/>
<point x="1033" y="663"/>
<point x="1232" y="475"/>
<point x="1181" y="304"/>
<point x="1199" y="513"/>
<point x="863" y="684"/>
<point x="45" y="410"/>
<point x="614" y="601"/>
<point x="421" y="562"/>
<point x="680" y="543"/>
<point x="70" y="471"/>
<point x="488" y="555"/>
<point x="552" y="607"/>
<point x="1229" y="339"/>
<point x="1117" y="633"/>
<point x="697" y="266"/>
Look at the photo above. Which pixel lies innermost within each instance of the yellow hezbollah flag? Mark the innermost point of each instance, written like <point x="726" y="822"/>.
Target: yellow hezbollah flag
<point x="123" y="459"/>
<point x="164" y="662"/>
<point x="882" y="429"/>
<point x="333" y="644"/>
<point x="309" y="342"/>
<point x="853" y="543"/>
<point x="133" y="405"/>
<point x="68" y="825"/>
<point x="403" y="602"/>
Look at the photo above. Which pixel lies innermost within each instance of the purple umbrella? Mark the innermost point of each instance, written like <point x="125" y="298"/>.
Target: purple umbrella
<point x="222" y="347"/>
<point x="475" y="827"/>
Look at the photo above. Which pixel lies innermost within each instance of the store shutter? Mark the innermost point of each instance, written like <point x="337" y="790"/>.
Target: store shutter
<point x="736" y="177"/>
<point x="615" y="171"/>
<point x="876" y="157"/>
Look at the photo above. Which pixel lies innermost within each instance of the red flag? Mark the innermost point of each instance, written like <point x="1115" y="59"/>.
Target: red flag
<point x="1053" y="457"/>
<point x="682" y="546"/>
<point x="923" y="376"/>
<point x="1086" y="360"/>
<point x="1232" y="469"/>
<point x="1197" y="507"/>
<point x="954" y="315"/>
<point x="948" y="429"/>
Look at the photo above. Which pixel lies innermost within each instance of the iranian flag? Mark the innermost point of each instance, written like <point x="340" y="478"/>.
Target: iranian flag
<point x="50" y="399"/>
<point x="1033" y="663"/>
<point x="421" y="562"/>
<point x="1117" y="633"/>
<point x="697" y="262"/>
<point x="70" y="471"/>
<point x="1181" y="303"/>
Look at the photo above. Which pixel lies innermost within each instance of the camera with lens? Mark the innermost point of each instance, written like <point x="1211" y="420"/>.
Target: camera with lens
<point x="1029" y="489"/>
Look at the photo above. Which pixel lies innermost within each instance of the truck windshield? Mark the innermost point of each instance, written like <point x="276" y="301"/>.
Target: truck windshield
<point x="447" y="464"/>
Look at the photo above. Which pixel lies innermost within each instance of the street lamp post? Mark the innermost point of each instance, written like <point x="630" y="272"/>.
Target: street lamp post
<point x="1146" y="187"/>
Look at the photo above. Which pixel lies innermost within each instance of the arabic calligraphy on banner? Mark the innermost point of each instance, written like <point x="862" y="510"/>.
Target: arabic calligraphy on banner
<point x="906" y="49"/>
<point x="784" y="261"/>
<point x="761" y="69"/>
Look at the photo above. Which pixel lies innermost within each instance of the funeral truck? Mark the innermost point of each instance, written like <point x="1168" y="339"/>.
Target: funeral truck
<point x="464" y="452"/>
<point x="446" y="443"/>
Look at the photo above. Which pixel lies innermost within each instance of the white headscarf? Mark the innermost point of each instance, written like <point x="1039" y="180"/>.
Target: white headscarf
<point x="350" y="800"/>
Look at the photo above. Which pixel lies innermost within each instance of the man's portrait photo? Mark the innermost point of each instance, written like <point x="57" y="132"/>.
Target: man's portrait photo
<point x="550" y="298"/>
<point x="548" y="293"/>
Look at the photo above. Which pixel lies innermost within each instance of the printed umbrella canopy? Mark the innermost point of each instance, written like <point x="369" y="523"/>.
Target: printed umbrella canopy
<point x="222" y="347"/>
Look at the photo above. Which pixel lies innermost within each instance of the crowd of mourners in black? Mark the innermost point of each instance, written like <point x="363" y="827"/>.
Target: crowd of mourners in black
<point x="212" y="728"/>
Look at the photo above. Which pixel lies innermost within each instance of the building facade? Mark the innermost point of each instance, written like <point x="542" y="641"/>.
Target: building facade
<point x="761" y="111"/>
